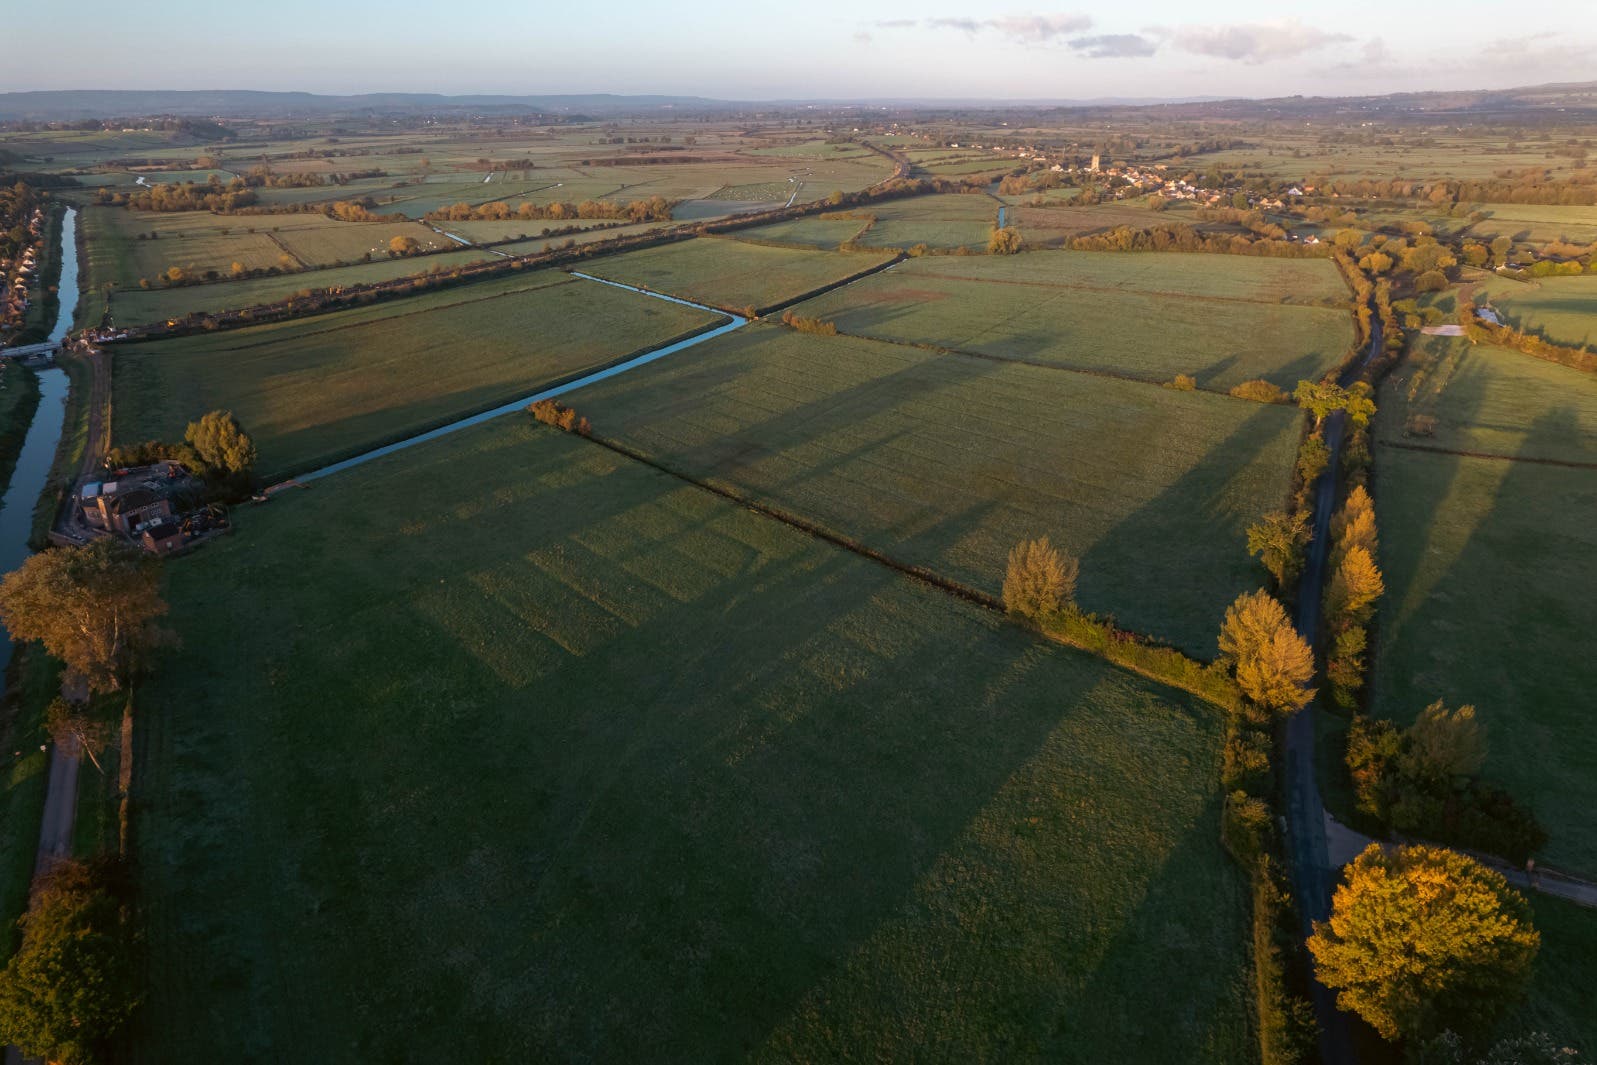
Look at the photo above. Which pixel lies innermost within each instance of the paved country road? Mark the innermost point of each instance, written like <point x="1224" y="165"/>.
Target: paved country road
<point x="1313" y="874"/>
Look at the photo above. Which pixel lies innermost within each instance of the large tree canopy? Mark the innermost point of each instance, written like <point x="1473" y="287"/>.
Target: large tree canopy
<point x="1422" y="940"/>
<point x="94" y="608"/>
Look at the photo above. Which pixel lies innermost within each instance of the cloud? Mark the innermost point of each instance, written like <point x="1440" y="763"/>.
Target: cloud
<point x="1254" y="43"/>
<point x="1026" y="29"/>
<point x="1115" y="46"/>
<point x="863" y="37"/>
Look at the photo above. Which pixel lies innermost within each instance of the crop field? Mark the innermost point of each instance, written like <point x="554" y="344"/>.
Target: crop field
<point x="136" y="306"/>
<point x="1473" y="549"/>
<point x="806" y="232"/>
<point x="1492" y="400"/>
<point x="731" y="273"/>
<point x="1561" y="309"/>
<point x="315" y="390"/>
<point x="1224" y="319"/>
<point x="948" y="461"/>
<point x="1538" y="222"/>
<point x="676" y="781"/>
<point x="954" y="220"/>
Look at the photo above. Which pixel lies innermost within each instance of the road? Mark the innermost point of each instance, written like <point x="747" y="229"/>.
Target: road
<point x="1313" y="874"/>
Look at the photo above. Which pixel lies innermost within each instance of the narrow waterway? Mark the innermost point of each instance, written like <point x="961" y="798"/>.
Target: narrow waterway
<point x="44" y="434"/>
<point x="735" y="322"/>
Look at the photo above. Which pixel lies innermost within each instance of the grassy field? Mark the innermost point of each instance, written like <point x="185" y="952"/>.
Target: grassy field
<point x="806" y="232"/>
<point x="1558" y="1000"/>
<point x="1489" y="566"/>
<point x="1538" y="223"/>
<point x="1223" y="319"/>
<point x="1491" y="400"/>
<point x="730" y="273"/>
<point x="138" y="306"/>
<point x="851" y="817"/>
<point x="314" y="390"/>
<point x="947" y="461"/>
<point x="1562" y="309"/>
<point x="1053" y="225"/>
<point x="954" y="220"/>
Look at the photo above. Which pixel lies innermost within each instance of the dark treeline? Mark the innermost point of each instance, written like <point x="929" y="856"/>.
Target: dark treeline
<point x="18" y="202"/>
<point x="1183" y="237"/>
<point x="1529" y="187"/>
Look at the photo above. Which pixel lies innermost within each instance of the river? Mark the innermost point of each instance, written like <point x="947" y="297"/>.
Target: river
<point x="44" y="434"/>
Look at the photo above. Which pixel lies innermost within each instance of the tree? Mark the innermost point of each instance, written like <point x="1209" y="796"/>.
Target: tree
<point x="1422" y="940"/>
<point x="69" y="722"/>
<point x="1005" y="241"/>
<point x="1355" y="586"/>
<point x="1443" y="745"/>
<point x="1320" y="399"/>
<point x="1278" y="542"/>
<point x="222" y="443"/>
<point x="73" y="984"/>
<point x="403" y="245"/>
<point x="93" y="607"/>
<point x="1359" y="404"/>
<point x="1313" y="458"/>
<point x="1273" y="663"/>
<point x="1040" y="580"/>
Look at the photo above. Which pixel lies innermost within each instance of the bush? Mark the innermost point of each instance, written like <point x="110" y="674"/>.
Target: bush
<point x="809" y="325"/>
<point x="1183" y="383"/>
<point x="1004" y="241"/>
<point x="1260" y="391"/>
<point x="561" y="417"/>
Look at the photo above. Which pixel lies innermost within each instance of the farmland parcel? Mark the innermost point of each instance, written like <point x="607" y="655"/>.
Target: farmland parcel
<point x="675" y="781"/>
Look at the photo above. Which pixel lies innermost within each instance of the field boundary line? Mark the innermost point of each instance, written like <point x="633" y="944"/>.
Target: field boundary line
<point x="926" y="576"/>
<point x="1570" y="464"/>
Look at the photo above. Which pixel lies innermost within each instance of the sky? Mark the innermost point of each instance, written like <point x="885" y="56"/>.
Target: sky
<point x="815" y="49"/>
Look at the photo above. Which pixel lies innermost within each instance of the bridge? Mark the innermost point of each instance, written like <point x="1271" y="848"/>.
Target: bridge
<point x="30" y="350"/>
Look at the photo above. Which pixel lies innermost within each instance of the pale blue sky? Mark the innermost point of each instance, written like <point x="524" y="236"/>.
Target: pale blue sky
<point x="747" y="49"/>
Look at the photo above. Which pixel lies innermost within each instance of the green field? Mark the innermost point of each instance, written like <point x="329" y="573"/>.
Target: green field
<point x="1561" y="309"/>
<point x="1538" y="223"/>
<point x="1558" y="1000"/>
<point x="850" y="817"/>
<point x="948" y="461"/>
<point x="731" y="273"/>
<point x="1222" y="318"/>
<point x="314" y="390"/>
<point x="1053" y="225"/>
<point x="140" y="306"/>
<point x="1491" y="400"/>
<point x="807" y="232"/>
<point x="954" y="220"/>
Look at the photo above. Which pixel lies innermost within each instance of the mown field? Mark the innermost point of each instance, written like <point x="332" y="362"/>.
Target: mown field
<point x="948" y="461"/>
<point x="1223" y="319"/>
<point x="139" y="306"/>
<point x="1490" y="400"/>
<point x="730" y="273"/>
<point x="1538" y="223"/>
<point x="954" y="220"/>
<point x="662" y="779"/>
<point x="1561" y="309"/>
<point x="317" y="389"/>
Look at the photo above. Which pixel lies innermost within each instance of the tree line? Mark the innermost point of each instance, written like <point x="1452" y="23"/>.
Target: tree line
<point x="653" y="209"/>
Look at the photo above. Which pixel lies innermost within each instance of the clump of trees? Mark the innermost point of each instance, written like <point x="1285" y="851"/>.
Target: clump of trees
<point x="653" y="209"/>
<point x="1356" y="583"/>
<point x="1259" y="390"/>
<point x="96" y="608"/>
<point x="1481" y="331"/>
<point x="1423" y="782"/>
<point x="1182" y="237"/>
<point x="818" y="326"/>
<point x="1464" y="938"/>
<point x="561" y="417"/>
<point x="73" y="985"/>
<point x="1182" y="382"/>
<point x="1272" y="663"/>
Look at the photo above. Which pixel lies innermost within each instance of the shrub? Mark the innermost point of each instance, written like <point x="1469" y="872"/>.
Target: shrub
<point x="809" y="325"/>
<point x="1004" y="241"/>
<point x="1183" y="383"/>
<point x="1260" y="391"/>
<point x="561" y="417"/>
<point x="1420" y="425"/>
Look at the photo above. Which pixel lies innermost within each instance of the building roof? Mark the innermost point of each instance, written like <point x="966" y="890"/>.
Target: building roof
<point x="163" y="530"/>
<point x="134" y="500"/>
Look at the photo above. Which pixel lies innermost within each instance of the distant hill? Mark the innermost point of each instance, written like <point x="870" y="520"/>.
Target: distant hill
<point x="73" y="105"/>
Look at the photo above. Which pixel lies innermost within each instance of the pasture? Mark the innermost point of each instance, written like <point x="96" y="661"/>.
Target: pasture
<point x="947" y="461"/>
<point x="729" y="273"/>
<point x="948" y="221"/>
<point x="674" y="781"/>
<point x="808" y="232"/>
<point x="1224" y="319"/>
<point x="313" y="390"/>
<point x="136" y="306"/>
<point x="1561" y="309"/>
<point x="1537" y="223"/>
<point x="1052" y="225"/>
<point x="1492" y="400"/>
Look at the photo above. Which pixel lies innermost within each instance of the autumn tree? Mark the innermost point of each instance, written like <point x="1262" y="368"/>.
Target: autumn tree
<point x="74" y="983"/>
<point x="1424" y="939"/>
<point x="76" y="723"/>
<point x="1319" y="398"/>
<point x="1278" y="541"/>
<point x="1272" y="663"/>
<point x="94" y="607"/>
<point x="1356" y="584"/>
<point x="1005" y="241"/>
<point x="1040" y="580"/>
<point x="222" y="444"/>
<point x="1444" y="745"/>
<point x="403" y="245"/>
